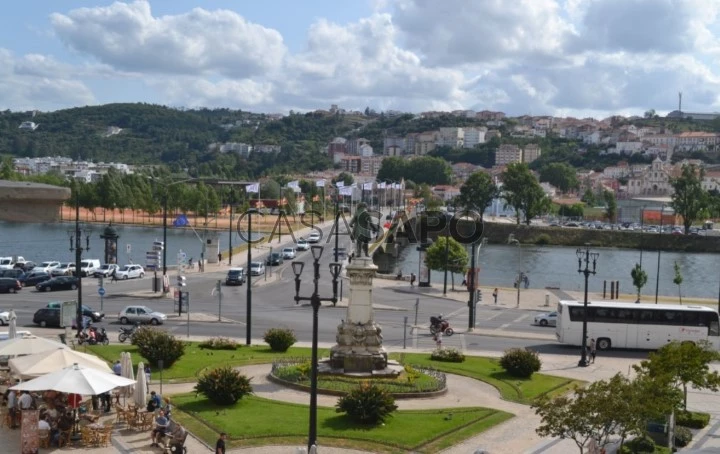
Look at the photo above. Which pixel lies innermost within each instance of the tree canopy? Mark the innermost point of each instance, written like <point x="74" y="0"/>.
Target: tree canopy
<point x="689" y="199"/>
<point x="560" y="175"/>
<point x="457" y="256"/>
<point x="522" y="191"/>
<point x="478" y="192"/>
<point x="425" y="169"/>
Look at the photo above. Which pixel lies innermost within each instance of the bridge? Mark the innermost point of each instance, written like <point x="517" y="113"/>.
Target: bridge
<point x="22" y="201"/>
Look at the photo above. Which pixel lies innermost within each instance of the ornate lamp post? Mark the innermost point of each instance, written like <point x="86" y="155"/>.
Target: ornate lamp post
<point x="587" y="257"/>
<point x="76" y="245"/>
<point x="315" y="302"/>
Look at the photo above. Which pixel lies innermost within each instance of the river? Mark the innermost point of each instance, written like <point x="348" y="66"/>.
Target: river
<point x="557" y="266"/>
<point x="41" y="242"/>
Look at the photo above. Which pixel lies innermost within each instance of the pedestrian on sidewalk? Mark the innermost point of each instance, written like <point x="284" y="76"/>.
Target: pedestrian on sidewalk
<point x="114" y="276"/>
<point x="593" y="350"/>
<point x="438" y="339"/>
<point x="412" y="279"/>
<point x="495" y="294"/>
<point x="190" y="263"/>
<point x="219" y="257"/>
<point x="220" y="444"/>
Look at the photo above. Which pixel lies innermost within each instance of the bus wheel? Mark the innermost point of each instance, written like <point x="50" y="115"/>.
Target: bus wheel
<point x="603" y="343"/>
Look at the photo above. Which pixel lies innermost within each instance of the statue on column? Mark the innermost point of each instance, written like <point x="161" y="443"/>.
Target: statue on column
<point x="363" y="229"/>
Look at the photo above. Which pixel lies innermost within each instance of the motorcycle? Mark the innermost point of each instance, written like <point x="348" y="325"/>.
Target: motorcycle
<point x="439" y="324"/>
<point x="93" y="336"/>
<point x="126" y="333"/>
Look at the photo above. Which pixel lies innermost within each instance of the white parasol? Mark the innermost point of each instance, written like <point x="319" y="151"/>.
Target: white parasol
<point x="141" y="386"/>
<point x="39" y="364"/>
<point x="12" y="321"/>
<point x="126" y="370"/>
<point x="75" y="379"/>
<point x="28" y="345"/>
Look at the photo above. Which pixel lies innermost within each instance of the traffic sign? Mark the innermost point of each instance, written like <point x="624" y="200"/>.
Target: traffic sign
<point x="101" y="291"/>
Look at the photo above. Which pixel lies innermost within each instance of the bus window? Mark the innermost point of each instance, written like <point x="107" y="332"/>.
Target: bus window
<point x="645" y="317"/>
<point x="693" y="319"/>
<point x="668" y="317"/>
<point x="714" y="329"/>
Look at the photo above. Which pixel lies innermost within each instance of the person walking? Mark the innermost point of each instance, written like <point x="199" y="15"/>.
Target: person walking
<point x="219" y="257"/>
<point x="412" y="279"/>
<point x="438" y="339"/>
<point x="220" y="444"/>
<point x="593" y="350"/>
<point x="495" y="295"/>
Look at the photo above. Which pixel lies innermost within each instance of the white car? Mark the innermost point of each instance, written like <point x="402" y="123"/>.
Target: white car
<point x="288" y="253"/>
<point x="47" y="267"/>
<point x="65" y="269"/>
<point x="257" y="268"/>
<point x="302" y="245"/>
<point x="130" y="271"/>
<point x="4" y="318"/>
<point x="547" y="319"/>
<point x="314" y="237"/>
<point x="141" y="314"/>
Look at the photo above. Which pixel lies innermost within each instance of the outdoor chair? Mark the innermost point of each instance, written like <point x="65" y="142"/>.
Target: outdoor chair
<point x="44" y="437"/>
<point x="105" y="437"/>
<point x="121" y="416"/>
<point x="89" y="437"/>
<point x="65" y="437"/>
<point x="147" y="421"/>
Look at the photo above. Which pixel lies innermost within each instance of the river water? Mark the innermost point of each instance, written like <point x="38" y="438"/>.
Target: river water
<point x="41" y="242"/>
<point x="556" y="266"/>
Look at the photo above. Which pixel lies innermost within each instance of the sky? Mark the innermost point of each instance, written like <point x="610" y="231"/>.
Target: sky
<point x="580" y="58"/>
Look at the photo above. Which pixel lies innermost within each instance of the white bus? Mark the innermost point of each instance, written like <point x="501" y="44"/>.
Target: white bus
<point x="632" y="325"/>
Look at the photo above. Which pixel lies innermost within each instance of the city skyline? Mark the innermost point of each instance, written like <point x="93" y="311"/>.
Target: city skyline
<point x="537" y="57"/>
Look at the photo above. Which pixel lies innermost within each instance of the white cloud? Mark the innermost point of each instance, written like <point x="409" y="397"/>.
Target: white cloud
<point x="128" y="37"/>
<point x="39" y="82"/>
<point x="197" y="92"/>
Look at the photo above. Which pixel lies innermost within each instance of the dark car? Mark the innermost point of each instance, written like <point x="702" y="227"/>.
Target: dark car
<point x="47" y="316"/>
<point x="15" y="273"/>
<point x="86" y="310"/>
<point x="25" y="266"/>
<point x="9" y="285"/>
<point x="274" y="259"/>
<point x="235" y="276"/>
<point x="58" y="283"/>
<point x="32" y="279"/>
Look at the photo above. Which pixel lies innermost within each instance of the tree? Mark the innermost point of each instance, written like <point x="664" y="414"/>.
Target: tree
<point x="610" y="205"/>
<point x="457" y="256"/>
<point x="345" y="177"/>
<point x="679" y="364"/>
<point x="650" y="114"/>
<point x="588" y="197"/>
<point x="689" y="198"/>
<point x="678" y="280"/>
<point x="522" y="191"/>
<point x="560" y="175"/>
<point x="639" y="277"/>
<point x="478" y="192"/>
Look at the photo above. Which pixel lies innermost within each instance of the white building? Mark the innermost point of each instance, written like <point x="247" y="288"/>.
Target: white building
<point x="473" y="136"/>
<point x="451" y="137"/>
<point x="365" y="150"/>
<point x="628" y="147"/>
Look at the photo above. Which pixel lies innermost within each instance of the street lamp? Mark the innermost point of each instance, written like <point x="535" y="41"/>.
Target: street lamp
<point x="585" y="256"/>
<point x="657" y="275"/>
<point x="248" y="329"/>
<point x="76" y="246"/>
<point x="337" y="226"/>
<point x="315" y="302"/>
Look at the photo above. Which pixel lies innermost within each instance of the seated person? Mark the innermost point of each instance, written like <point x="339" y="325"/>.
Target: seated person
<point x="43" y="423"/>
<point x="65" y="424"/>
<point x="167" y="408"/>
<point x="161" y="424"/>
<point x="154" y="402"/>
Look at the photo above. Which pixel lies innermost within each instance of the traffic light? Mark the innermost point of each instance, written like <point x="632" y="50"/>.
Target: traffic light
<point x="479" y="295"/>
<point x="181" y="281"/>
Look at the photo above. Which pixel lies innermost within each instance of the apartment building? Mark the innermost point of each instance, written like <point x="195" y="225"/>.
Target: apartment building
<point x="451" y="137"/>
<point x="353" y="145"/>
<point x="394" y="142"/>
<point x="508" y="154"/>
<point x="425" y="142"/>
<point x="337" y="145"/>
<point x="474" y="136"/>
<point x="531" y="152"/>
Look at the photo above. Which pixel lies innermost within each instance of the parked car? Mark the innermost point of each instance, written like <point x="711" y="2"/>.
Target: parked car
<point x="14" y="273"/>
<point x="47" y="266"/>
<point x="26" y="266"/>
<point x="141" y="314"/>
<point x="302" y="245"/>
<point x="257" y="269"/>
<point x="314" y="237"/>
<point x="58" y="283"/>
<point x="47" y="317"/>
<point x="4" y="318"/>
<point x="106" y="270"/>
<point x="86" y="310"/>
<point x="274" y="259"/>
<point x="89" y="266"/>
<point x="9" y="285"/>
<point x="33" y="278"/>
<point x="235" y="276"/>
<point x="288" y="253"/>
<point x="8" y="263"/>
<point x="65" y="269"/>
<point x="130" y="271"/>
<point x="547" y="319"/>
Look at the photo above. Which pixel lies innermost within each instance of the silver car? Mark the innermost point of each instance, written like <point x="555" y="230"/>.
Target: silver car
<point x="141" y="314"/>
<point x="546" y="319"/>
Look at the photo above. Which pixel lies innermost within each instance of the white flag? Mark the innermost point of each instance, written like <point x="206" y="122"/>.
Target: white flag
<point x="253" y="188"/>
<point x="381" y="185"/>
<point x="396" y="185"/>
<point x="293" y="184"/>
<point x="340" y="184"/>
<point x="320" y="183"/>
<point x="367" y="186"/>
<point x="346" y="191"/>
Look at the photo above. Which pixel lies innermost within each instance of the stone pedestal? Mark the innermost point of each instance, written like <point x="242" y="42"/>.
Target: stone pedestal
<point x="359" y="339"/>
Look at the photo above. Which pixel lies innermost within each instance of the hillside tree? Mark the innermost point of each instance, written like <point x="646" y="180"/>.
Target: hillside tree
<point x="477" y="193"/>
<point x="689" y="199"/>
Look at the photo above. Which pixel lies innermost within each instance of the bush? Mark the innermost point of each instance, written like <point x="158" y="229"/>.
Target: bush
<point x="155" y="345"/>
<point x="683" y="436"/>
<point x="693" y="420"/>
<point x="223" y="386"/>
<point x="279" y="339"/>
<point x="450" y="355"/>
<point x="638" y="445"/>
<point x="219" y="343"/>
<point x="542" y="239"/>
<point x="520" y="362"/>
<point x="367" y="404"/>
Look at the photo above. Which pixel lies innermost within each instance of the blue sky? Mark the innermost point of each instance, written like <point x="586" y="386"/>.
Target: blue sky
<point x="556" y="57"/>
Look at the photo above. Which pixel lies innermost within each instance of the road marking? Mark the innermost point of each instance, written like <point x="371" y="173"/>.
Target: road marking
<point x="501" y="327"/>
<point x="463" y="346"/>
<point x="521" y="318"/>
<point x="498" y="314"/>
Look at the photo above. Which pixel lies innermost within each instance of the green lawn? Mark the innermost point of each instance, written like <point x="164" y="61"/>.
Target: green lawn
<point x="489" y="370"/>
<point x="258" y="421"/>
<point x="195" y="360"/>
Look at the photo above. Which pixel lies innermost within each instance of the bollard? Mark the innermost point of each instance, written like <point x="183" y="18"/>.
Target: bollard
<point x="612" y="290"/>
<point x="617" y="290"/>
<point x="604" y="289"/>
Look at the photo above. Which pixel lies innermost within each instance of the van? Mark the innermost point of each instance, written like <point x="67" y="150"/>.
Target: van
<point x="9" y="285"/>
<point x="6" y="263"/>
<point x="89" y="266"/>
